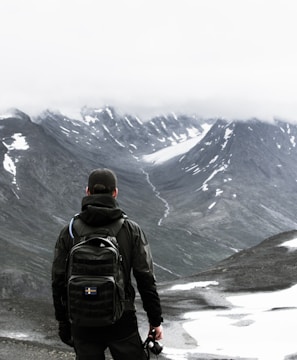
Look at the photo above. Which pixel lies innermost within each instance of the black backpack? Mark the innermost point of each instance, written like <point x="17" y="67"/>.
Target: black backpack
<point x="95" y="281"/>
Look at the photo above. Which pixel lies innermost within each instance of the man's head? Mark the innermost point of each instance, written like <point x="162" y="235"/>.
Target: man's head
<point x="102" y="181"/>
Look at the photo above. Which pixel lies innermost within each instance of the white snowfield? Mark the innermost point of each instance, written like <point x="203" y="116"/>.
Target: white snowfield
<point x="259" y="325"/>
<point x="176" y="149"/>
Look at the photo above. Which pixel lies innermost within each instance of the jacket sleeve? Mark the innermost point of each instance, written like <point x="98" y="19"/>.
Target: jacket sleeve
<point x="145" y="278"/>
<point x="58" y="275"/>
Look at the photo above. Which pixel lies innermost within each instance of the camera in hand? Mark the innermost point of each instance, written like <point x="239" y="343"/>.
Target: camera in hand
<point x="150" y="343"/>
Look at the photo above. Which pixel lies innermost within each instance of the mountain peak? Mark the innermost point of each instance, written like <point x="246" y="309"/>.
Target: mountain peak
<point x="14" y="113"/>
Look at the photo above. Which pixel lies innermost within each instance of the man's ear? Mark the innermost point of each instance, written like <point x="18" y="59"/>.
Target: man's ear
<point x="115" y="193"/>
<point x="88" y="191"/>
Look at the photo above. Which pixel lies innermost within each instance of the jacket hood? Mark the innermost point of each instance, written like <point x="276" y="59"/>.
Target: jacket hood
<point x="100" y="210"/>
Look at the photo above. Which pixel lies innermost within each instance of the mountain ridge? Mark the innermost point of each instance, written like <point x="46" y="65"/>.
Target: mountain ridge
<point x="197" y="207"/>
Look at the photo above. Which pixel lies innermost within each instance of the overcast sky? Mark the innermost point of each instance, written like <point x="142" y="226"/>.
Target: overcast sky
<point x="228" y="58"/>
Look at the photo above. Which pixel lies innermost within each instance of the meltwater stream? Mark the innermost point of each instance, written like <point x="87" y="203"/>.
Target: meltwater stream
<point x="166" y="205"/>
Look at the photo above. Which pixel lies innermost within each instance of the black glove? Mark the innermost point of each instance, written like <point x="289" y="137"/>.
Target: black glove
<point x="65" y="332"/>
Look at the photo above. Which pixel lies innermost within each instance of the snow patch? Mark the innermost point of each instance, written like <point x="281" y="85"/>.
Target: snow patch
<point x="291" y="244"/>
<point x="247" y="329"/>
<point x="6" y="116"/>
<point x="109" y="113"/>
<point x="170" y="152"/>
<point x="9" y="164"/>
<point x="212" y="205"/>
<point x="193" y="285"/>
<point x="214" y="159"/>
<point x="219" y="192"/>
<point x="65" y="131"/>
<point x="129" y="122"/>
<point x="177" y="149"/>
<point x="90" y="119"/>
<point x="19" y="143"/>
<point x="117" y="141"/>
<point x="204" y="186"/>
<point x="228" y="133"/>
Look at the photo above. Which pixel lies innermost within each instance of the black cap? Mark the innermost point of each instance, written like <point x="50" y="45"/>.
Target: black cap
<point x="102" y="181"/>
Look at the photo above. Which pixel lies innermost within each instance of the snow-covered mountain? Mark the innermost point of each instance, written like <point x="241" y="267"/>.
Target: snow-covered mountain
<point x="201" y="190"/>
<point x="236" y="186"/>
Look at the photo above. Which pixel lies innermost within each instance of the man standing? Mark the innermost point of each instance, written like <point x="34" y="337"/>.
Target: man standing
<point x="99" y="209"/>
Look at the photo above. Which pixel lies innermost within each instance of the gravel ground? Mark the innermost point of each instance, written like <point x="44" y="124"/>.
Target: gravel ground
<point x="12" y="349"/>
<point x="29" y="331"/>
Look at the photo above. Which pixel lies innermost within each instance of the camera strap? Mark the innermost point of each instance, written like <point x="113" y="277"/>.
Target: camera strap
<point x="146" y="349"/>
<point x="147" y="343"/>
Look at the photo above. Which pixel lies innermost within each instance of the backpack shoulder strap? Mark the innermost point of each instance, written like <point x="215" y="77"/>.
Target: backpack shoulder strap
<point x="111" y="229"/>
<point x="116" y="226"/>
<point x="70" y="228"/>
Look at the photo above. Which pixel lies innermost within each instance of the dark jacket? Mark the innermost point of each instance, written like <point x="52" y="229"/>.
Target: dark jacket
<point x="101" y="210"/>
